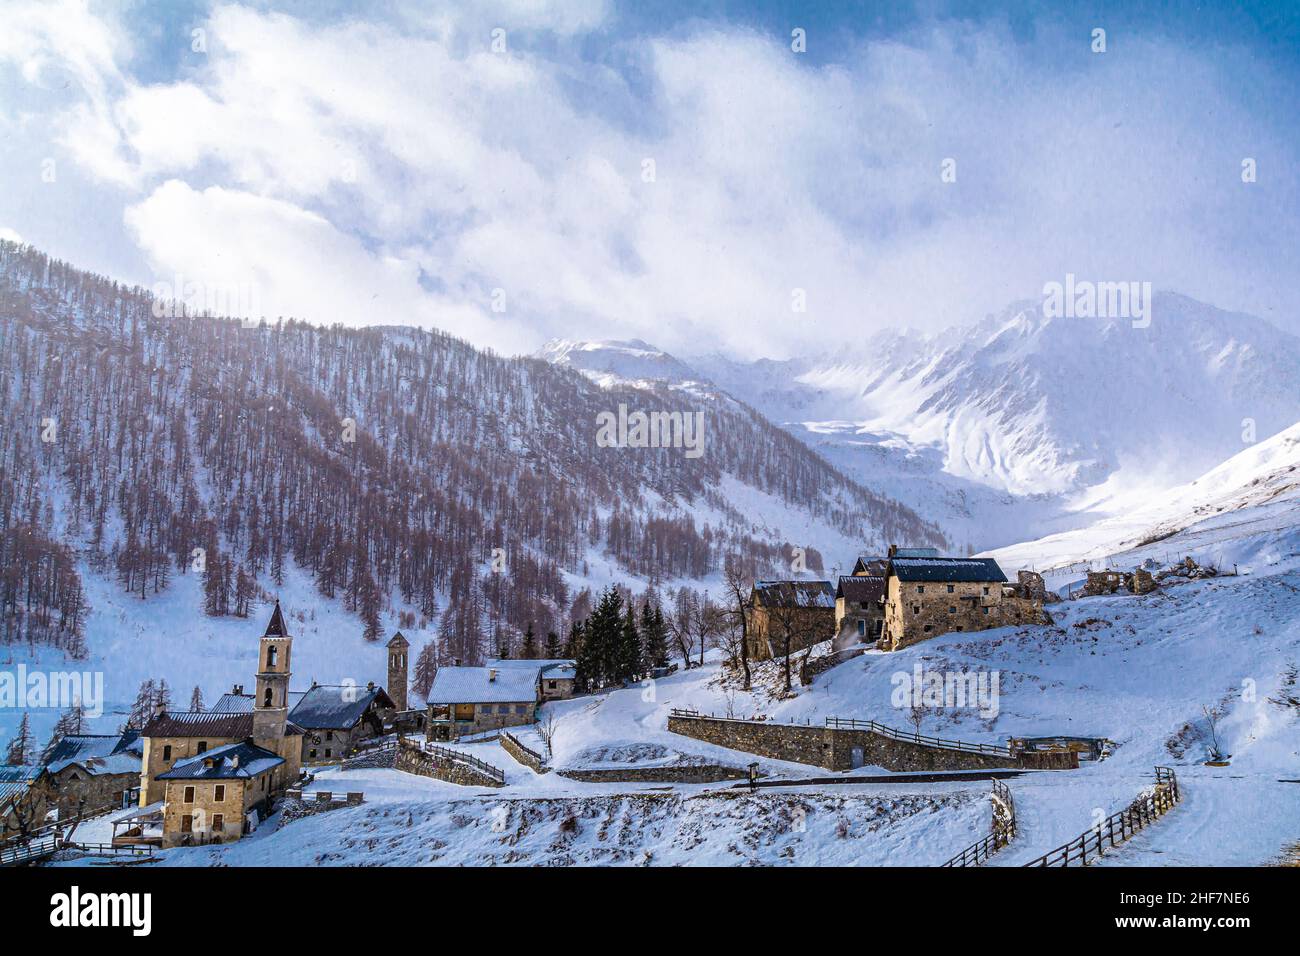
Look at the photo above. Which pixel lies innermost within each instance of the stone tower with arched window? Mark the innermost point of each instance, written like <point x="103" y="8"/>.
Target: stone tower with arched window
<point x="397" y="649"/>
<point x="271" y="704"/>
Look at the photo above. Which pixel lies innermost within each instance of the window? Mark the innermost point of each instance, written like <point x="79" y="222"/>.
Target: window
<point x="952" y="609"/>
<point x="329" y="735"/>
<point x="187" y="824"/>
<point x="952" y="588"/>
<point x="928" y="628"/>
<point x="271" y="653"/>
<point x="329" y="752"/>
<point x="220" y="794"/>
<point x="189" y="795"/>
<point x="218" y="822"/>
<point x="986" y="591"/>
<point x="920" y="589"/>
<point x="550" y="685"/>
<point x="986" y="611"/>
<point x="959" y="627"/>
<point x="268" y="698"/>
<point x="203" y="746"/>
<point x="503" y="709"/>
<point x="916" y="609"/>
<point x="312" y="752"/>
<point x="862" y="628"/>
<point x="167" y="752"/>
<point x="521" y="709"/>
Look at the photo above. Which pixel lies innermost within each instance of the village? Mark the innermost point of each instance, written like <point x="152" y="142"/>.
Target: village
<point x="266" y="758"/>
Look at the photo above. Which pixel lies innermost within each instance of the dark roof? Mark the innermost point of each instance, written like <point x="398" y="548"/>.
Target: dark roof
<point x="870" y="564"/>
<point x="232" y="703"/>
<point x="399" y="641"/>
<point x="276" y="628"/>
<point x="233" y="761"/>
<point x="915" y="553"/>
<point x="97" y="753"/>
<point x="199" y="723"/>
<point x="14" y="781"/>
<point x="795" y="593"/>
<point x="861" y="588"/>
<point x="336" y="707"/>
<point x="946" y="569"/>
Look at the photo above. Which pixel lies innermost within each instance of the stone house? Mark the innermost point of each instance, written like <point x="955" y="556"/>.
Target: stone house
<point x="22" y="806"/>
<point x="802" y="611"/>
<point x="221" y="794"/>
<point x="929" y="596"/>
<point x="88" y="772"/>
<point x="335" y="718"/>
<point x="556" y="677"/>
<point x="470" y="700"/>
<point x="860" y="608"/>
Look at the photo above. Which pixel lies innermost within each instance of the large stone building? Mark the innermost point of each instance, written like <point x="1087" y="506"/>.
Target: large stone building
<point x="929" y="596"/>
<point x="335" y="718"/>
<point x="171" y="738"/>
<point x="470" y="700"/>
<point x="556" y="677"/>
<point x="397" y="670"/>
<point x="90" y="772"/>
<point x="787" y="616"/>
<point x="218" y="795"/>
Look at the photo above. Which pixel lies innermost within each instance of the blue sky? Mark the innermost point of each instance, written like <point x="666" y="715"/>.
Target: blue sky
<point x="668" y="171"/>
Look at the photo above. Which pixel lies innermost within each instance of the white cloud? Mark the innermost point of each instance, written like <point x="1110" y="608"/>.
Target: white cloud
<point x="341" y="162"/>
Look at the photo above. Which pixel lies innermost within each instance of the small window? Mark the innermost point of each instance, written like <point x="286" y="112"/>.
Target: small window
<point x="550" y="684"/>
<point x="187" y="824"/>
<point x="929" y="628"/>
<point x="218" y="822"/>
<point x="503" y="709"/>
<point x="862" y="628"/>
<point x="329" y="752"/>
<point x="167" y="752"/>
<point x="312" y="752"/>
<point x="189" y="795"/>
<point x="521" y="709"/>
<point x="959" y="627"/>
<point x="220" y="794"/>
<point x="952" y="588"/>
<point x="203" y="746"/>
<point x="271" y="653"/>
<point x="952" y="609"/>
<point x="329" y="735"/>
<point x="986" y="590"/>
<point x="267" y="698"/>
<point x="916" y="609"/>
<point x="920" y="589"/>
<point x="986" y="612"/>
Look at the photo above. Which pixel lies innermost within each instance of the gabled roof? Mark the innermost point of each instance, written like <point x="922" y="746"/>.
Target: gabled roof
<point x="14" y="781"/>
<point x="809" y="594"/>
<point x="232" y="703"/>
<point x="473" y="685"/>
<point x="872" y="564"/>
<point x="861" y="588"/>
<point x="240" y="760"/>
<point x="947" y="569"/>
<point x="336" y="706"/>
<point x="565" y="670"/>
<point x="915" y="553"/>
<point x="275" y="627"/>
<point x="399" y="641"/>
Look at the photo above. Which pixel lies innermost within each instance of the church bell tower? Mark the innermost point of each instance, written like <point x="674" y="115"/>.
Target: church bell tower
<point x="397" y="649"/>
<point x="271" y="705"/>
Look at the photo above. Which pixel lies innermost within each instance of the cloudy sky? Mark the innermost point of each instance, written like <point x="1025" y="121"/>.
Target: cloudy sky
<point x="517" y="170"/>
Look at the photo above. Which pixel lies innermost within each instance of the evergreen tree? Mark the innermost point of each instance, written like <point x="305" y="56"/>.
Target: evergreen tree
<point x="163" y="695"/>
<point x="628" y="649"/>
<point x="196" y="700"/>
<point x="552" y="645"/>
<point x="529" y="650"/>
<point x="22" y="749"/>
<point x="573" y="643"/>
<point x="596" y="660"/>
<point x="142" y="708"/>
<point x="654" y="636"/>
<point x="71" y="721"/>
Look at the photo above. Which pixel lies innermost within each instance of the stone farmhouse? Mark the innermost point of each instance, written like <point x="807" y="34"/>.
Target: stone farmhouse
<point x="860" y="608"/>
<point x="802" y="611"/>
<point x="335" y="718"/>
<point x="21" y="806"/>
<point x="218" y="795"/>
<point x="471" y="700"/>
<point x="556" y="677"/>
<point x="88" y="772"/>
<point x="928" y="596"/>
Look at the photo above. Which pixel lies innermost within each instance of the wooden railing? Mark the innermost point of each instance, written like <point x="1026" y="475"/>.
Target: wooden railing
<point x="30" y="851"/>
<point x="446" y="753"/>
<point x="1090" y="845"/>
<point x="852" y="723"/>
<point x="524" y="747"/>
<point x="1004" y="830"/>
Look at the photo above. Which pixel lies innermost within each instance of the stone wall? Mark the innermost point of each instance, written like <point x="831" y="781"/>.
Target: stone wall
<point x="413" y="760"/>
<point x="833" y="748"/>
<point x="682" y="773"/>
<point x="524" y="755"/>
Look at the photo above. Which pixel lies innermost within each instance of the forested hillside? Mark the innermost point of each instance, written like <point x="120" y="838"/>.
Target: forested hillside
<point x="389" y="462"/>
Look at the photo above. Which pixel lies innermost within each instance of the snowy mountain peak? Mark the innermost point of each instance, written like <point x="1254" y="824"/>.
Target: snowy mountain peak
<point x="614" y="360"/>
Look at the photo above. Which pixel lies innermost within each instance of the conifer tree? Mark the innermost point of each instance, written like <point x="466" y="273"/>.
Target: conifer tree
<point x="552" y="645"/>
<point x="72" y="721"/>
<point x="196" y="700"/>
<point x="426" y="669"/>
<point x="22" y="749"/>
<point x="529" y="650"/>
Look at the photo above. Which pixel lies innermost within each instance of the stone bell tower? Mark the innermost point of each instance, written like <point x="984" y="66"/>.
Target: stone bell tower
<point x="397" y="649"/>
<point x="271" y="704"/>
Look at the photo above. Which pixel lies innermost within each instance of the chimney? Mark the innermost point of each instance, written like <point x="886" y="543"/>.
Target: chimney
<point x="159" y="709"/>
<point x="893" y="550"/>
<point x="370" y="685"/>
<point x="234" y="762"/>
<point x="238" y="690"/>
<point x="455" y="662"/>
<point x="492" y="674"/>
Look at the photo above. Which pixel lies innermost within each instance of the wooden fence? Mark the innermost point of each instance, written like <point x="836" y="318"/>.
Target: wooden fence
<point x="1004" y="830"/>
<point x="852" y="723"/>
<point x="446" y="753"/>
<point x="1090" y="845"/>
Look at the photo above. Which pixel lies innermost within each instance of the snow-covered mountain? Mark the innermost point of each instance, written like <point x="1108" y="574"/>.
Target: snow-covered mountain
<point x="612" y="361"/>
<point x="1019" y="425"/>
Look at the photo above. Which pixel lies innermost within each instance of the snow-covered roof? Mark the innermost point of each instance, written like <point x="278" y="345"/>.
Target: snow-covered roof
<point x="795" y="593"/>
<point x="15" y="780"/>
<point x="946" y="569"/>
<point x="566" y="670"/>
<point x="232" y="761"/>
<point x="98" y="753"/>
<point x="474" y="685"/>
<point x="335" y="706"/>
<point x="553" y="668"/>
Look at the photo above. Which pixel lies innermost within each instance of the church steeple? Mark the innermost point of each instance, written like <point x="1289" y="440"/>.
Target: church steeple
<point x="271" y="705"/>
